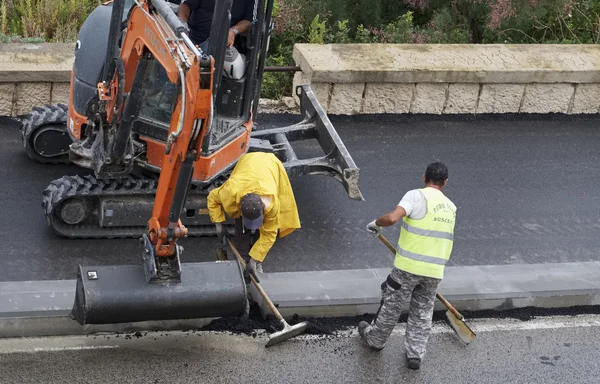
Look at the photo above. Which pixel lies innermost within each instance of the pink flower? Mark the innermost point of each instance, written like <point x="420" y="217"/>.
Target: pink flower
<point x="500" y="10"/>
<point x="418" y="38"/>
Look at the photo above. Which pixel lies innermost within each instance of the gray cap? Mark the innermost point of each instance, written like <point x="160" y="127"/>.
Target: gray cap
<point x="252" y="211"/>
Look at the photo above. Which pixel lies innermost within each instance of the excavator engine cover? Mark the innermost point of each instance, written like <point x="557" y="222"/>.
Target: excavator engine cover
<point x="120" y="294"/>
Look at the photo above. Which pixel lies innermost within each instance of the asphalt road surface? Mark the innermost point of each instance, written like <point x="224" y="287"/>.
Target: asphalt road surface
<point x="525" y="188"/>
<point x="545" y="350"/>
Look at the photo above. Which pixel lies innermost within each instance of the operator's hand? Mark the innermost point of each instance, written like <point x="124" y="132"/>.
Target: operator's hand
<point x="231" y="37"/>
<point x="221" y="233"/>
<point x="374" y="229"/>
<point x="251" y="270"/>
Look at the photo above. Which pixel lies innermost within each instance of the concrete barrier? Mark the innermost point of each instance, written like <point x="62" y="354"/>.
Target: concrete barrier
<point x="373" y="78"/>
<point x="33" y="74"/>
<point x="451" y="79"/>
<point x="38" y="74"/>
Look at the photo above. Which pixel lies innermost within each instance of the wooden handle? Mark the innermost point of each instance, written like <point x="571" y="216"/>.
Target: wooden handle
<point x="387" y="244"/>
<point x="449" y="306"/>
<point x="440" y="297"/>
<point x="256" y="284"/>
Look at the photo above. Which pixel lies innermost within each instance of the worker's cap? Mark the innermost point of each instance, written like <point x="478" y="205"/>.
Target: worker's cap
<point x="252" y="211"/>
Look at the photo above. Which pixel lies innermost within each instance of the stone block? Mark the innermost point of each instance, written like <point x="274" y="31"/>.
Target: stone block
<point x="462" y="98"/>
<point x="346" y="99"/>
<point x="587" y="98"/>
<point x="547" y="98"/>
<point x="500" y="98"/>
<point x="60" y="93"/>
<point x="7" y="95"/>
<point x="387" y="98"/>
<point x="429" y="98"/>
<point x="30" y="95"/>
<point x="322" y="92"/>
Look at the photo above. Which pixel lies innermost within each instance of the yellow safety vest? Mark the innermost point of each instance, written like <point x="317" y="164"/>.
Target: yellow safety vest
<point x="425" y="245"/>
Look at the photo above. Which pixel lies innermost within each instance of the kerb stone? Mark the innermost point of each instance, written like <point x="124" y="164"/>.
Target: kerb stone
<point x="547" y="98"/>
<point x="587" y="98"/>
<point x="429" y="98"/>
<point x="346" y="99"/>
<point x="462" y="98"/>
<point x="388" y="98"/>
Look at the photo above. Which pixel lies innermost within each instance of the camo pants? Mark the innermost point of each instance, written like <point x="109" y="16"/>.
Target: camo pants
<point x="421" y="291"/>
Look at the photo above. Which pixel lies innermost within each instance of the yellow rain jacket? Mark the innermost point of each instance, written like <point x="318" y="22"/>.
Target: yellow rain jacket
<point x="263" y="174"/>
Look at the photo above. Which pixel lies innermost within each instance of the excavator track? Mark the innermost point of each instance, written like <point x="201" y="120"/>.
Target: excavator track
<point x="88" y="207"/>
<point x="44" y="134"/>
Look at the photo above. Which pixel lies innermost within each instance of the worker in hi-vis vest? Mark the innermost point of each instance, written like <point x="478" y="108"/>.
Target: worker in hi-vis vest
<point x="426" y="238"/>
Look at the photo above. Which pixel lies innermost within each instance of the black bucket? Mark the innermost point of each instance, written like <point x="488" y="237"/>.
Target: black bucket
<point x="120" y="294"/>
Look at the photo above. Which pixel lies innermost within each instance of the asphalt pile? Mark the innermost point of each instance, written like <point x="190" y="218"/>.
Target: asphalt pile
<point x="255" y="322"/>
<point x="331" y="326"/>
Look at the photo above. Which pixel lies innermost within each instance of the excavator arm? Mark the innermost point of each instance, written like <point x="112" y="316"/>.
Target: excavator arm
<point x="155" y="33"/>
<point x="118" y="294"/>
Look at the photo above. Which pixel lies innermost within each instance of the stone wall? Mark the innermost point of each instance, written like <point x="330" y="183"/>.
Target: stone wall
<point x="374" y="78"/>
<point x="452" y="79"/>
<point x="33" y="74"/>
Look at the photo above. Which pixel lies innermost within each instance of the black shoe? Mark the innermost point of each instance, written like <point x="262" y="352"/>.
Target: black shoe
<point x="362" y="327"/>
<point x="414" y="363"/>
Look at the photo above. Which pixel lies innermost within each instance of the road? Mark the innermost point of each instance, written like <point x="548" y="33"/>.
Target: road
<point x="544" y="350"/>
<point x="524" y="187"/>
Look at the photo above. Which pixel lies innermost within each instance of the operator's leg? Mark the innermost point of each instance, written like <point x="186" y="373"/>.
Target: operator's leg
<point x="394" y="294"/>
<point x="418" y="326"/>
<point x="204" y="46"/>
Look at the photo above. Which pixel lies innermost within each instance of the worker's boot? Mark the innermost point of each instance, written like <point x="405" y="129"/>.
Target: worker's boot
<point x="362" y="329"/>
<point x="413" y="363"/>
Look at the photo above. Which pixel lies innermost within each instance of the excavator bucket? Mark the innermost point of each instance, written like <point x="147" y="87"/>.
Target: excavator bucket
<point x="122" y="294"/>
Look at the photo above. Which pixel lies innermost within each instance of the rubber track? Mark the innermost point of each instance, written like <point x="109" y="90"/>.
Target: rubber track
<point x="90" y="187"/>
<point x="37" y="118"/>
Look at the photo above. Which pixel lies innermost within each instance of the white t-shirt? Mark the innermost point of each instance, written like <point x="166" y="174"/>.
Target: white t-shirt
<point x="414" y="204"/>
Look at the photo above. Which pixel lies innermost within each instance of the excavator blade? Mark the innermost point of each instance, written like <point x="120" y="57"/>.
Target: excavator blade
<point x="334" y="159"/>
<point x="121" y="294"/>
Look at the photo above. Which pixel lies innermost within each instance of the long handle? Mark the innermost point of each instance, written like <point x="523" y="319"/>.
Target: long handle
<point x="256" y="284"/>
<point x="440" y="297"/>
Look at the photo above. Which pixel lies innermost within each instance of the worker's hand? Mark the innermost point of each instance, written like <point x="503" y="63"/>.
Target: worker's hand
<point x="221" y="233"/>
<point x="251" y="270"/>
<point x="374" y="229"/>
<point x="231" y="37"/>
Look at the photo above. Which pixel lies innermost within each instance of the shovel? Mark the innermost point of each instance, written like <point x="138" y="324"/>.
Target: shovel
<point x="457" y="321"/>
<point x="288" y="331"/>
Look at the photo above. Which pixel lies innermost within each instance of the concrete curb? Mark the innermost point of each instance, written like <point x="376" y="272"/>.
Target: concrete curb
<point x="41" y="308"/>
<point x="494" y="287"/>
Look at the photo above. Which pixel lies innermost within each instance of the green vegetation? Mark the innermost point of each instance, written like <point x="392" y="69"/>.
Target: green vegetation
<point x="50" y="20"/>
<point x="354" y="21"/>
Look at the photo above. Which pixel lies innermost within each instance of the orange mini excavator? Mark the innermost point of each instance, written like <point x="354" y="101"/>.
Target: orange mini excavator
<point x="159" y="123"/>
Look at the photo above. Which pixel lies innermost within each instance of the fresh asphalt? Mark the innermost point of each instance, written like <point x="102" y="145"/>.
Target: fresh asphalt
<point x="525" y="188"/>
<point x="544" y="350"/>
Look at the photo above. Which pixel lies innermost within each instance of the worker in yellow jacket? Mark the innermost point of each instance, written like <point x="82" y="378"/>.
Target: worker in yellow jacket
<point x="259" y="196"/>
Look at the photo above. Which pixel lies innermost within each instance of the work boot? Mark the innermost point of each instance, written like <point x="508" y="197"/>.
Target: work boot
<point x="413" y="363"/>
<point x="362" y="329"/>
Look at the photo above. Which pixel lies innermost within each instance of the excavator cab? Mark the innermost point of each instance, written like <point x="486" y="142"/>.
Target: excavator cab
<point x="159" y="125"/>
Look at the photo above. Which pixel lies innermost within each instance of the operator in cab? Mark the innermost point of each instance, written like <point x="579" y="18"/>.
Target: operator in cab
<point x="198" y="14"/>
<point x="259" y="197"/>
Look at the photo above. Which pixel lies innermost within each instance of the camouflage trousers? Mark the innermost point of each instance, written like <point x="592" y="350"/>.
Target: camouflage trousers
<point x="421" y="291"/>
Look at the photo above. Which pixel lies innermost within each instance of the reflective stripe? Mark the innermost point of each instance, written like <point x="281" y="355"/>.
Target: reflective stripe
<point x="419" y="257"/>
<point x="425" y="232"/>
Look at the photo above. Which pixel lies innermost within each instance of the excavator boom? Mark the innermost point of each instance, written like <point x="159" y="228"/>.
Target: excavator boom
<point x="163" y="288"/>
